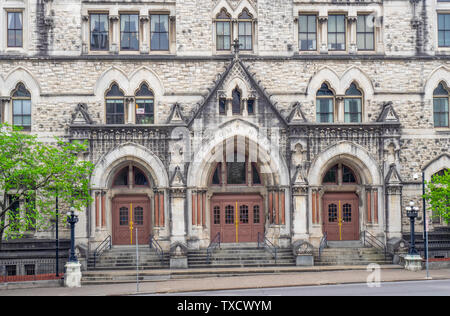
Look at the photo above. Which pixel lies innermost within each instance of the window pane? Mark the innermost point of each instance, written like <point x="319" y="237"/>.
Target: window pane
<point x="340" y="23"/>
<point x="360" y="23"/>
<point x="312" y="23"/>
<point x="303" y="23"/>
<point x="369" y="41"/>
<point x="332" y="23"/>
<point x="26" y="107"/>
<point x="17" y="104"/>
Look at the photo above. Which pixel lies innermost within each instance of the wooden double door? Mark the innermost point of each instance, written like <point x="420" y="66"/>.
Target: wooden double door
<point x="341" y="216"/>
<point x="238" y="218"/>
<point x="128" y="214"/>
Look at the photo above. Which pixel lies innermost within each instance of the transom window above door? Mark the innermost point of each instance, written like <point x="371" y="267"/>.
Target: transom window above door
<point x="339" y="174"/>
<point x="130" y="176"/>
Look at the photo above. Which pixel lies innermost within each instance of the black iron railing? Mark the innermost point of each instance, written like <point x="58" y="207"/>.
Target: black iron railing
<point x="153" y="243"/>
<point x="20" y="270"/>
<point x="370" y="240"/>
<point x="105" y="245"/>
<point x="268" y="246"/>
<point x="215" y="243"/>
<point x="323" y="243"/>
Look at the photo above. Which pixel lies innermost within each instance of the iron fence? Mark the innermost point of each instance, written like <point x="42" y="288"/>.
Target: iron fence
<point x="17" y="270"/>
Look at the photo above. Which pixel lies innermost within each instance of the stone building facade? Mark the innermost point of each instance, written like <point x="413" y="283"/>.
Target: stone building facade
<point x="315" y="122"/>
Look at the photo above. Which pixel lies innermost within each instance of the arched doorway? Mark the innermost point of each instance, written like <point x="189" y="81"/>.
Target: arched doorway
<point x="130" y="209"/>
<point x="237" y="209"/>
<point x="340" y="204"/>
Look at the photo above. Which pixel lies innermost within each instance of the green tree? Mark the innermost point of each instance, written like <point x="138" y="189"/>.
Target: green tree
<point x="438" y="194"/>
<point x="32" y="174"/>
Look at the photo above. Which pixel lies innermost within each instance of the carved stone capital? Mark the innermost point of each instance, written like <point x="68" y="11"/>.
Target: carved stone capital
<point x="113" y="18"/>
<point x="144" y="18"/>
<point x="323" y="19"/>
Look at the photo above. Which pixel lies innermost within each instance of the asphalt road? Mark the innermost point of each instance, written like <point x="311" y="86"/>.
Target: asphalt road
<point x="409" y="288"/>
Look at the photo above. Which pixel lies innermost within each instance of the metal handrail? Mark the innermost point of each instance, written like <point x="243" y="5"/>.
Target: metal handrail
<point x="153" y="243"/>
<point x="371" y="240"/>
<point x="106" y="244"/>
<point x="212" y="246"/>
<point x="323" y="243"/>
<point x="267" y="245"/>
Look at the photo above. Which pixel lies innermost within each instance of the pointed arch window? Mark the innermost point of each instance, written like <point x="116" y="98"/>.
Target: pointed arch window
<point x="223" y="30"/>
<point x="236" y="102"/>
<point x="115" y="105"/>
<point x="353" y="105"/>
<point x="21" y="104"/>
<point x="440" y="106"/>
<point x="145" y="105"/>
<point x="245" y="30"/>
<point x="325" y="104"/>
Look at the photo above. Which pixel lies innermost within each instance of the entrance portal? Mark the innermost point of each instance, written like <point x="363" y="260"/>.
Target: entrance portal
<point x="341" y="216"/>
<point x="131" y="213"/>
<point x="238" y="218"/>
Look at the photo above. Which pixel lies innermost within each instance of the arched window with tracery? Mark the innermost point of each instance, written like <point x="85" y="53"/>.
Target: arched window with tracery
<point x="245" y="30"/>
<point x="223" y="30"/>
<point x="440" y="105"/>
<point x="130" y="176"/>
<point x="115" y="105"/>
<point x="145" y="103"/>
<point x="21" y="106"/>
<point x="325" y="104"/>
<point x="353" y="104"/>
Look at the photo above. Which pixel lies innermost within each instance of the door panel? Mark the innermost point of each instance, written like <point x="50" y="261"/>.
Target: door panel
<point x="341" y="216"/>
<point x="129" y="214"/>
<point x="238" y="218"/>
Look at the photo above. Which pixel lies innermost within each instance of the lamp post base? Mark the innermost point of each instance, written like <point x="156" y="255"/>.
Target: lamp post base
<point x="72" y="277"/>
<point x="413" y="262"/>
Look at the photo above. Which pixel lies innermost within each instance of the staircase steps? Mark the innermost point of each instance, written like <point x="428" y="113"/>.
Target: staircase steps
<point x="240" y="256"/>
<point x="125" y="258"/>
<point x="351" y="256"/>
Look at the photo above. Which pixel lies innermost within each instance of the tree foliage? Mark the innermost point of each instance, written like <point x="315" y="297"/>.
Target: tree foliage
<point x="32" y="174"/>
<point x="438" y="194"/>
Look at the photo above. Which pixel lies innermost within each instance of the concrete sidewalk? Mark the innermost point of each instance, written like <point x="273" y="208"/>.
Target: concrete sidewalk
<point x="305" y="278"/>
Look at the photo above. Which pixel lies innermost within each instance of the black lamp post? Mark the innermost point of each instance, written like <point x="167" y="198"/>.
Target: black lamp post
<point x="72" y="220"/>
<point x="412" y="212"/>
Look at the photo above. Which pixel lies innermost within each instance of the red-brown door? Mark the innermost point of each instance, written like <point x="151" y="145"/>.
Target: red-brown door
<point x="238" y="218"/>
<point x="129" y="214"/>
<point x="341" y="216"/>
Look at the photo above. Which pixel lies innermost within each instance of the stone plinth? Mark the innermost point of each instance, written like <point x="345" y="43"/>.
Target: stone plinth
<point x="72" y="277"/>
<point x="413" y="262"/>
<point x="178" y="263"/>
<point x="305" y="260"/>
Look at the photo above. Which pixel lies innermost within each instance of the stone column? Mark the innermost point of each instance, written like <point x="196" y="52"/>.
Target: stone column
<point x="323" y="20"/>
<point x="339" y="108"/>
<point x="300" y="212"/>
<point x="115" y="33"/>
<point x="130" y="107"/>
<point x="353" y="48"/>
<point x="85" y="30"/>
<point x="145" y="45"/>
<point x="229" y="107"/>
<point x="177" y="208"/>
<point x="5" y="111"/>
<point x="394" y="211"/>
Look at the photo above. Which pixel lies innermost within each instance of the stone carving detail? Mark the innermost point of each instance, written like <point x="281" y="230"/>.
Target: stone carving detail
<point x="81" y="115"/>
<point x="302" y="247"/>
<point x="178" y="249"/>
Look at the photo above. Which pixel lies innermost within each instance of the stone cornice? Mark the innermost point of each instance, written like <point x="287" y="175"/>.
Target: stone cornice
<point x="247" y="57"/>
